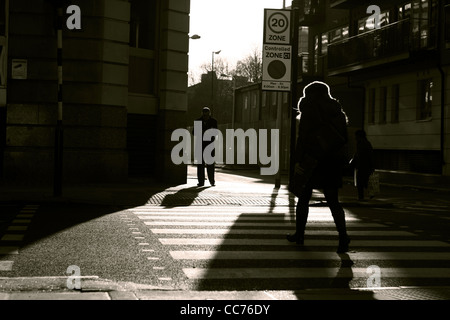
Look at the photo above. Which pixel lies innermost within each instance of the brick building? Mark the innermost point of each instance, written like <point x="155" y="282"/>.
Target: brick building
<point x="124" y="83"/>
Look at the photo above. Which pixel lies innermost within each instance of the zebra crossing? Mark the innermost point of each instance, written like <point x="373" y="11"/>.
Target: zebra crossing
<point x="245" y="247"/>
<point x="14" y="233"/>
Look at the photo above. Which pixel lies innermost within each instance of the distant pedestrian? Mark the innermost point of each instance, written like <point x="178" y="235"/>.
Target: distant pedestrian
<point x="321" y="151"/>
<point x="208" y="122"/>
<point x="362" y="162"/>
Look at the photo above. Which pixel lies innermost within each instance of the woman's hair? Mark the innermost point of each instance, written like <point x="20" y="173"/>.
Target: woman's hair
<point x="317" y="89"/>
<point x="318" y="93"/>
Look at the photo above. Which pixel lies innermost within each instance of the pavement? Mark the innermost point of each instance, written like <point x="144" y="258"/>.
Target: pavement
<point x="234" y="187"/>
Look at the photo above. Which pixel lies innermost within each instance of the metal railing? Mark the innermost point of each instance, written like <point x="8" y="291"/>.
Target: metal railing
<point x="388" y="41"/>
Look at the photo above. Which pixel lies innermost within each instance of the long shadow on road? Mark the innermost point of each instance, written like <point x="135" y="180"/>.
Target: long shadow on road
<point x="82" y="228"/>
<point x="255" y="255"/>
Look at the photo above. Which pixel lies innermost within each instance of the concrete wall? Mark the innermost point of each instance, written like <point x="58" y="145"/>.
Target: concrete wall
<point x="409" y="133"/>
<point x="95" y="94"/>
<point x="172" y="86"/>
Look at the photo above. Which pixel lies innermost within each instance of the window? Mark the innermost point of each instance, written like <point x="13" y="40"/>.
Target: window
<point x="404" y="11"/>
<point x="143" y="33"/>
<point x="324" y="43"/>
<point x="274" y="98"/>
<point x="3" y="35"/>
<point x="312" y="6"/>
<point x="338" y="34"/>
<point x="383" y="104"/>
<point x="143" y="24"/>
<point x="303" y="39"/>
<point x="425" y="99"/>
<point x="274" y="107"/>
<point x="368" y="23"/>
<point x="285" y="97"/>
<point x="2" y="17"/>
<point x="447" y="26"/>
<point x="395" y="100"/>
<point x="424" y="16"/>
<point x="371" y="107"/>
<point x="253" y="100"/>
<point x="316" y="54"/>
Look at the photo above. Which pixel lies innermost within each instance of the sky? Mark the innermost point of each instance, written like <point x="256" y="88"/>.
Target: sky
<point x="233" y="26"/>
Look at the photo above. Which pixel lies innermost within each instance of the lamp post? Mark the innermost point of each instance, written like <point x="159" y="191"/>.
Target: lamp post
<point x="294" y="66"/>
<point x="212" y="77"/>
<point x="194" y="37"/>
<point x="234" y="97"/>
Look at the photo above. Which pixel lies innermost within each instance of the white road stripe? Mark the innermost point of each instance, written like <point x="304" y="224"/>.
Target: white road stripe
<point x="268" y="231"/>
<point x="21" y="221"/>
<point x="9" y="250"/>
<point x="218" y="224"/>
<point x="17" y="228"/>
<point x="214" y="212"/>
<point x="239" y="224"/>
<point x="23" y="215"/>
<point x="12" y="237"/>
<point x="250" y="209"/>
<point x="301" y="255"/>
<point x="213" y="217"/>
<point x="284" y="242"/>
<point x="241" y="218"/>
<point x="231" y="210"/>
<point x="277" y="273"/>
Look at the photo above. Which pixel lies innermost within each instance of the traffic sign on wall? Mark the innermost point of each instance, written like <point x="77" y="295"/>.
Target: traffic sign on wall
<point x="277" y="50"/>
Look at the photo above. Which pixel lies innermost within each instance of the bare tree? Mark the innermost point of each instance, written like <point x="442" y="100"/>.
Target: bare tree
<point x="221" y="66"/>
<point x="251" y="66"/>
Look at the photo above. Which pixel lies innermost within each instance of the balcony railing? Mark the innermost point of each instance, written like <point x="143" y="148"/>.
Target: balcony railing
<point x="392" y="42"/>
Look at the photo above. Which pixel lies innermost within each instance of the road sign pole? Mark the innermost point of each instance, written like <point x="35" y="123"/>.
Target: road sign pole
<point x="277" y="57"/>
<point x="294" y="76"/>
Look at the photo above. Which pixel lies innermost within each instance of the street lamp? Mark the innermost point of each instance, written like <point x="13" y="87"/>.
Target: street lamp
<point x="212" y="76"/>
<point x="194" y="37"/>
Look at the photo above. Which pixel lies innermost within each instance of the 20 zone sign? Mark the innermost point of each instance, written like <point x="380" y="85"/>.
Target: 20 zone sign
<point x="277" y="26"/>
<point x="278" y="22"/>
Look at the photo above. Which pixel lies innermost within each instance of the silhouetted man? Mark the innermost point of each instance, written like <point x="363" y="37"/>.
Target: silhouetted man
<point x="208" y="122"/>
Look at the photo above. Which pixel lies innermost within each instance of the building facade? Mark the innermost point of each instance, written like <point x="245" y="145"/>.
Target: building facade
<point x="389" y="70"/>
<point x="396" y="54"/>
<point x="124" y="89"/>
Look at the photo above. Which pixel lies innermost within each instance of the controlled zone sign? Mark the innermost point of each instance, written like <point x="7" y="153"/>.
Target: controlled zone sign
<point x="276" y="67"/>
<point x="277" y="50"/>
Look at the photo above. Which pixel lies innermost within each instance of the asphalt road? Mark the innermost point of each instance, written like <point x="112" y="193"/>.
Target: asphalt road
<point x="146" y="245"/>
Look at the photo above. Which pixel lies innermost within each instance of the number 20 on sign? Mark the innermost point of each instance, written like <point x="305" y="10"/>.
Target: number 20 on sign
<point x="277" y="26"/>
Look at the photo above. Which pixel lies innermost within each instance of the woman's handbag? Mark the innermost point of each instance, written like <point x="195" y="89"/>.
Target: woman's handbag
<point x="299" y="180"/>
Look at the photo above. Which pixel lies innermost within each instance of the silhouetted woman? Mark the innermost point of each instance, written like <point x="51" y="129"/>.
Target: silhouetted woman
<point x="322" y="135"/>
